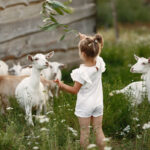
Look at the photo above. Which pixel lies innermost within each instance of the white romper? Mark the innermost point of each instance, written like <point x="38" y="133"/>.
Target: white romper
<point x="90" y="96"/>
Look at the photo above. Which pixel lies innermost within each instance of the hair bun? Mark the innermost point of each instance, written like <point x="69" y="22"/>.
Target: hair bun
<point x="99" y="38"/>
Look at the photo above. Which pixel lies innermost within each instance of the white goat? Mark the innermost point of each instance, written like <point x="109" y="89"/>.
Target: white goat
<point x="3" y="68"/>
<point x="143" y="66"/>
<point x="19" y="70"/>
<point x="136" y="90"/>
<point x="53" y="72"/>
<point x="30" y="91"/>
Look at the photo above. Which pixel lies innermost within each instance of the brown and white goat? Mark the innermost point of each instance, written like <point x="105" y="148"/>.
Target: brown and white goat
<point x="8" y="84"/>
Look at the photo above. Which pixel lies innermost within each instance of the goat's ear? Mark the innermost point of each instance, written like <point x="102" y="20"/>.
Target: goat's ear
<point x="30" y="57"/>
<point x="62" y="66"/>
<point x="149" y="60"/>
<point x="136" y="57"/>
<point x="82" y="36"/>
<point x="49" y="55"/>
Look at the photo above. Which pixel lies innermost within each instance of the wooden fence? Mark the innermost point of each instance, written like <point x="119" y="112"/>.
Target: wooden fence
<point x="20" y="34"/>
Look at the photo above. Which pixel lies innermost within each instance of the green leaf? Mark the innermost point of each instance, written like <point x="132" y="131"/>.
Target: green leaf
<point x="50" y="26"/>
<point x="59" y="7"/>
<point x="62" y="37"/>
<point x="52" y="18"/>
<point x="51" y="9"/>
<point x="59" y="11"/>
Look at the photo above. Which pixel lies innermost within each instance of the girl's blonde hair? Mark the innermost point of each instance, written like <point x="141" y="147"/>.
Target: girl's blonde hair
<point x="91" y="46"/>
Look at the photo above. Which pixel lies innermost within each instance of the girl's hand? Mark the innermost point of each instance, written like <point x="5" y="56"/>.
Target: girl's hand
<point x="59" y="83"/>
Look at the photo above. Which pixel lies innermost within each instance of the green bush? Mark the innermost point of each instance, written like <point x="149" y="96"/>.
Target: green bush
<point x="128" y="11"/>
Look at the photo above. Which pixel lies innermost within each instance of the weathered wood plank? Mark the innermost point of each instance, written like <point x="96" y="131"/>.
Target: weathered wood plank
<point x="31" y="25"/>
<point x="44" y="41"/>
<point x="19" y="13"/>
<point x="8" y="3"/>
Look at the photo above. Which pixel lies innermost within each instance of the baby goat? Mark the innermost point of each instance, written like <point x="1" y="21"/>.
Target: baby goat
<point x="53" y="72"/>
<point x="3" y="68"/>
<point x="19" y="70"/>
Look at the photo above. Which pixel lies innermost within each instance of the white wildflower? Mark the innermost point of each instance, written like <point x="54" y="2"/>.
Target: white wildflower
<point x="40" y="116"/>
<point x="136" y="119"/>
<point x="146" y="125"/>
<point x="28" y="137"/>
<point x="107" y="139"/>
<point x="138" y="125"/>
<point x="111" y="94"/>
<point x="107" y="148"/>
<point x="91" y="146"/>
<point x="138" y="136"/>
<point x="44" y="129"/>
<point x="49" y="112"/>
<point x="36" y="137"/>
<point x="122" y="133"/>
<point x="42" y="119"/>
<point x="127" y="128"/>
<point x="9" y="108"/>
<point x="74" y="132"/>
<point x="63" y="120"/>
<point x="35" y="147"/>
<point x="29" y="143"/>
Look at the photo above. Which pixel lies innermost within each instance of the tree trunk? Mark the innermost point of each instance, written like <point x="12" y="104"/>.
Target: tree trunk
<point x="115" y="19"/>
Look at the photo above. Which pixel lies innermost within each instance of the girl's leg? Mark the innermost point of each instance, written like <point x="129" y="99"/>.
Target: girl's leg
<point x="97" y="126"/>
<point x="84" y="131"/>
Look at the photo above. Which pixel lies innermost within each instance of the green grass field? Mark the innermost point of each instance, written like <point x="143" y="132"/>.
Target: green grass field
<point x="118" y="113"/>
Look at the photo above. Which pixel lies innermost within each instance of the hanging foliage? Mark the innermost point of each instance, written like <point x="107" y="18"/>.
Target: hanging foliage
<point x="50" y="10"/>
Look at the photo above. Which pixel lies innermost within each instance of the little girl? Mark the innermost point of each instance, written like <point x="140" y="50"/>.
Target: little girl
<point x="88" y="87"/>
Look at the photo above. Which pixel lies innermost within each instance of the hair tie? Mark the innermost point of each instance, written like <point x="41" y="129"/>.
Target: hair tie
<point x="89" y="44"/>
<point x="95" y="41"/>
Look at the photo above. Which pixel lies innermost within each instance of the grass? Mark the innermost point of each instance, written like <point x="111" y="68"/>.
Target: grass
<point x="118" y="113"/>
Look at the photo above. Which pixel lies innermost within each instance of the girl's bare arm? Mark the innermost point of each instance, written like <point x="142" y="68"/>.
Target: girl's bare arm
<point x="71" y="89"/>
